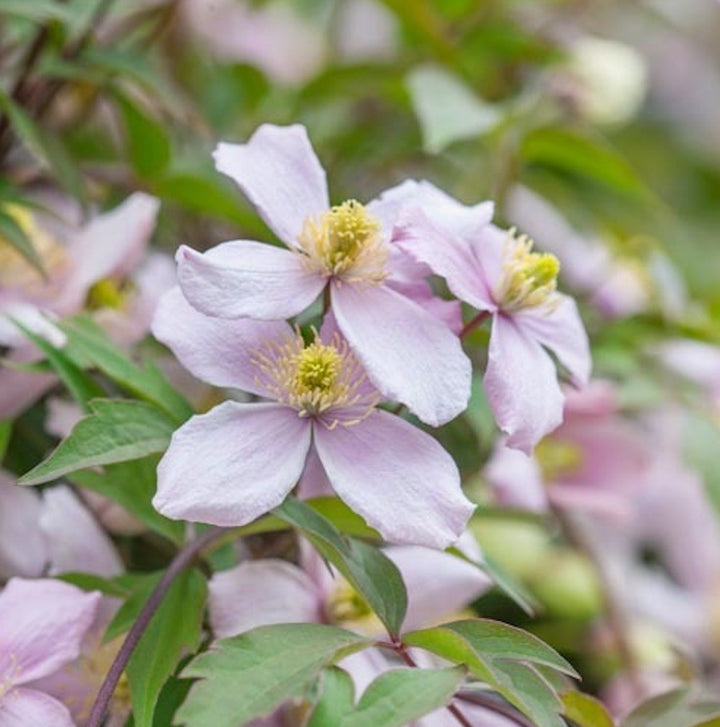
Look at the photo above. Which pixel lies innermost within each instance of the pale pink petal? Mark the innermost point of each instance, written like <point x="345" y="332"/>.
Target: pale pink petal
<point x="62" y="416"/>
<point x="34" y="320"/>
<point x="521" y="385"/>
<point x="364" y="667"/>
<point x="562" y="331"/>
<point x="31" y="708"/>
<point x="233" y="464"/>
<point x="113" y="243"/>
<point x="22" y="546"/>
<point x="216" y="350"/>
<point x="20" y="389"/>
<point x="281" y="175"/>
<point x="438" y="584"/>
<point x="446" y="254"/>
<point x="601" y="503"/>
<point x="74" y="539"/>
<point x="598" y="398"/>
<point x="43" y="624"/>
<point x="398" y="478"/>
<point x="247" y="279"/>
<point x="314" y="481"/>
<point x="408" y="354"/>
<point x="260" y="593"/>
<point x="516" y="479"/>
<point x="490" y="247"/>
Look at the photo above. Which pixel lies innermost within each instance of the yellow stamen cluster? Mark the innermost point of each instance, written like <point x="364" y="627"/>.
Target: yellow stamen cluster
<point x="557" y="458"/>
<point x="346" y="607"/>
<point x="530" y="278"/>
<point x="107" y="293"/>
<point x="314" y="378"/>
<point x="345" y="241"/>
<point x="15" y="270"/>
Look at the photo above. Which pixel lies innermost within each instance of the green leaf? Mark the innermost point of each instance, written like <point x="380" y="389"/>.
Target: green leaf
<point x="5" y="433"/>
<point x="394" y="699"/>
<point x="148" y="143"/>
<point x="585" y="157"/>
<point x="89" y="345"/>
<point x="247" y="676"/>
<point x="678" y="708"/>
<point x="39" y="11"/>
<point x="116" y="430"/>
<point x="137" y="594"/>
<point x="132" y="485"/>
<point x="447" y="109"/>
<point x="346" y="520"/>
<point x="586" y="711"/>
<point x="502" y="656"/>
<point x="175" y="628"/>
<point x="77" y="382"/>
<point x="13" y="233"/>
<point x="365" y="567"/>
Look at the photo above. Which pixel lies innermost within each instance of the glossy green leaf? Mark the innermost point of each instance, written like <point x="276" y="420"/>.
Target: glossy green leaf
<point x="586" y="711"/>
<point x="13" y="234"/>
<point x="5" y="433"/>
<point x="248" y="676"/>
<point x="89" y="345"/>
<point x="116" y="430"/>
<point x="447" y="109"/>
<point x="394" y="699"/>
<point x="365" y="567"/>
<point x="175" y="628"/>
<point x="677" y="708"/>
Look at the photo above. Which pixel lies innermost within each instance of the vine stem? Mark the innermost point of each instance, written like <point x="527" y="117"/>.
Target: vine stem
<point x="472" y="324"/>
<point x="181" y="561"/>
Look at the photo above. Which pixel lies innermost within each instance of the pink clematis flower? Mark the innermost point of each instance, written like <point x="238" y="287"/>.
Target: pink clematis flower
<point x="87" y="266"/>
<point x="42" y="624"/>
<point x="240" y="460"/>
<point x="496" y="272"/>
<point x="596" y="461"/>
<point x="409" y="355"/>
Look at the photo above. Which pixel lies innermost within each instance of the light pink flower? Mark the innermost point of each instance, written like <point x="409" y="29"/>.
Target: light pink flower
<point x="238" y="461"/>
<point x="42" y="624"/>
<point x="409" y="355"/>
<point x="596" y="461"/>
<point x="496" y="272"/>
<point x="84" y="264"/>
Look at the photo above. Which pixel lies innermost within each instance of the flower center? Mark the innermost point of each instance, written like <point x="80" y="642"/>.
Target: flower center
<point x="107" y="293"/>
<point x="15" y="270"/>
<point x="557" y="458"/>
<point x="530" y="278"/>
<point x="344" y="606"/>
<point x="346" y="242"/>
<point x="322" y="380"/>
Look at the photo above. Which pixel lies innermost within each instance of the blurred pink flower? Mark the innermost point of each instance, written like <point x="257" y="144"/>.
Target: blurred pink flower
<point x="42" y="624"/>
<point x="596" y="461"/>
<point x="496" y="272"/>
<point x="85" y="267"/>
<point x="238" y="461"/>
<point x="409" y="355"/>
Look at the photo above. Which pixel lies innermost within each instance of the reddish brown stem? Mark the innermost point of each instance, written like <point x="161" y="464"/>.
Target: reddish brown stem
<point x="472" y="324"/>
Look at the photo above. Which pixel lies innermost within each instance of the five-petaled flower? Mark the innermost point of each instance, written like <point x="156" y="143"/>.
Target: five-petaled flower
<point x="238" y="461"/>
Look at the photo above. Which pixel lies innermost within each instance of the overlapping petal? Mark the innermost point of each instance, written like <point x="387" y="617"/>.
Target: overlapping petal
<point x="216" y="350"/>
<point x="281" y="175"/>
<point x="24" y="707"/>
<point x="410" y="355"/>
<point x="398" y="478"/>
<point x="247" y="279"/>
<point x="233" y="464"/>
<point x="521" y="385"/>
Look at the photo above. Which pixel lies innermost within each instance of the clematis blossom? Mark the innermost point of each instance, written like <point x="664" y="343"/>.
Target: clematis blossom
<point x="238" y="461"/>
<point x="346" y="250"/>
<point x="42" y="624"/>
<point x="99" y="266"/>
<point x="497" y="273"/>
<point x="597" y="461"/>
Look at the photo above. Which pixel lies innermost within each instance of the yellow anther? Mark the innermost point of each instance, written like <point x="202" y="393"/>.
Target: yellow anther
<point x="316" y="369"/>
<point x="15" y="270"/>
<point x="558" y="458"/>
<point x="530" y="278"/>
<point x="346" y="607"/>
<point x="346" y="241"/>
<point x="106" y="293"/>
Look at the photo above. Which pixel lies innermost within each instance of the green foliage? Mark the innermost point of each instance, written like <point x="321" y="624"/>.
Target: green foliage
<point x="248" y="676"/>
<point x="116" y="430"/>
<point x="586" y="711"/>
<point x="365" y="567"/>
<point x="392" y="700"/>
<point x="504" y="657"/>
<point x="677" y="708"/>
<point x="13" y="233"/>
